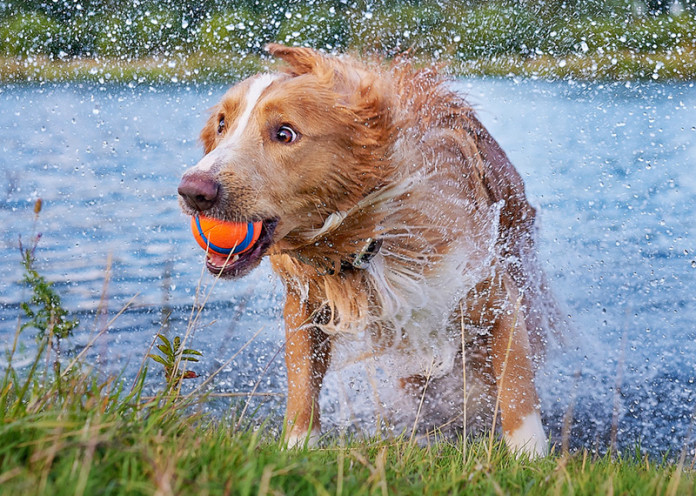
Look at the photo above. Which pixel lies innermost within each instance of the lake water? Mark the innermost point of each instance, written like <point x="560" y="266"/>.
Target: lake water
<point x="612" y="169"/>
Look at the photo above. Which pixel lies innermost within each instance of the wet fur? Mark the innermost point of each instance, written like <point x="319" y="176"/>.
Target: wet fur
<point x="392" y="153"/>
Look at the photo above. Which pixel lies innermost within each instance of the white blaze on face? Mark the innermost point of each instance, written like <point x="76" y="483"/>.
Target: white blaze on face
<point x="258" y="86"/>
<point x="251" y="99"/>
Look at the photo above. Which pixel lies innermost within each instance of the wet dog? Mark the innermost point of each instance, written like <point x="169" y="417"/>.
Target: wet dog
<point x="391" y="215"/>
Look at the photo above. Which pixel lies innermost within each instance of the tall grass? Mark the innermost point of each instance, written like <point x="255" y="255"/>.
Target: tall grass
<point x="66" y="429"/>
<point x="95" y="437"/>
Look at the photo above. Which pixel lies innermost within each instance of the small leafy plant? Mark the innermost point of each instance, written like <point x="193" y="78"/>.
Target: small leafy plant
<point x="44" y="309"/>
<point x="171" y="357"/>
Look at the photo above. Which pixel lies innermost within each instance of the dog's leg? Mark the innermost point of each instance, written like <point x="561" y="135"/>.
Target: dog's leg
<point x="512" y="365"/>
<point x="307" y="355"/>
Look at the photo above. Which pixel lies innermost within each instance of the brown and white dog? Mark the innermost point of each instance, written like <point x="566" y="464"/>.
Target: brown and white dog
<point x="389" y="213"/>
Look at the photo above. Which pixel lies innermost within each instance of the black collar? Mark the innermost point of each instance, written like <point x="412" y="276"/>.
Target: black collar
<point x="359" y="261"/>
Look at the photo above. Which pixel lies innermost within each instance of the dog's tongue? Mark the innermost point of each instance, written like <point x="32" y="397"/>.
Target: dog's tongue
<point x="220" y="260"/>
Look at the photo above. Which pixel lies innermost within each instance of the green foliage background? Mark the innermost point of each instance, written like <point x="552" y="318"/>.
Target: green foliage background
<point x="464" y="30"/>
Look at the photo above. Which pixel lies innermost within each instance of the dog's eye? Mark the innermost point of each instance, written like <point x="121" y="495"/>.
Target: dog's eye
<point x="221" y="124"/>
<point x="285" y="134"/>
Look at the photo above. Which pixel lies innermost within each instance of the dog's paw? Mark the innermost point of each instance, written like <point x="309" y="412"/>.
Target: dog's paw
<point x="298" y="439"/>
<point x="528" y="438"/>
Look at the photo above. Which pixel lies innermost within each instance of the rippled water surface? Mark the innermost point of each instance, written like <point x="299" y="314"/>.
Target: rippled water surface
<point x="612" y="169"/>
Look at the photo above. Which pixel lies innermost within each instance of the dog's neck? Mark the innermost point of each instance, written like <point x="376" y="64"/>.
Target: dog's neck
<point x="347" y="239"/>
<point x="326" y="266"/>
<point x="322" y="251"/>
<point x="331" y="223"/>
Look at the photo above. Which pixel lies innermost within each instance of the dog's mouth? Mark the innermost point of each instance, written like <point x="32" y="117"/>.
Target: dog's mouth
<point x="241" y="264"/>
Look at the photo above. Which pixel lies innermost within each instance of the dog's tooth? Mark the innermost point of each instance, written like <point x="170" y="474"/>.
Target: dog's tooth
<point x="235" y="258"/>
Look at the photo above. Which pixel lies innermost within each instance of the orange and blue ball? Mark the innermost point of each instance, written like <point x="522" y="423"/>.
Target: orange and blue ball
<point x="224" y="238"/>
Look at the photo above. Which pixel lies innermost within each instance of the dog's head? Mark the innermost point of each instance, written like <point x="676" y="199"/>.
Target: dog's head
<point x="289" y="149"/>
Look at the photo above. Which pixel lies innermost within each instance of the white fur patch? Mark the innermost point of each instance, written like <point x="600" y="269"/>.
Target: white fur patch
<point x="529" y="438"/>
<point x="251" y="99"/>
<point x="258" y="86"/>
<point x="330" y="224"/>
<point x="415" y="292"/>
<point x="297" y="439"/>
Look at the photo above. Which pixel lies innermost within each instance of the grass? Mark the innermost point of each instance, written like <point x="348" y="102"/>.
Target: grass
<point x="99" y="439"/>
<point x="618" y="66"/>
<point x="146" y="70"/>
<point x="64" y="429"/>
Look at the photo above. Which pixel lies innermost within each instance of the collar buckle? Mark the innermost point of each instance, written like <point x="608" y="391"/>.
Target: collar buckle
<point x="367" y="253"/>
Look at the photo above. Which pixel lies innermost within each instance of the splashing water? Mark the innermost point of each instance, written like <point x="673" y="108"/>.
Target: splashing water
<point x="609" y="167"/>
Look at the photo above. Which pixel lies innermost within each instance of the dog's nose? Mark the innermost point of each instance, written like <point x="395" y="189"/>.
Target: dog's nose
<point x="199" y="191"/>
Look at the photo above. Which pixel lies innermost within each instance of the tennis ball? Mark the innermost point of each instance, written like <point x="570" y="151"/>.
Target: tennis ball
<point x="224" y="238"/>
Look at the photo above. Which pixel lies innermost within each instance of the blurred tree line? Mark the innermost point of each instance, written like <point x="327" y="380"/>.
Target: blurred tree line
<point x="475" y="28"/>
<point x="71" y="9"/>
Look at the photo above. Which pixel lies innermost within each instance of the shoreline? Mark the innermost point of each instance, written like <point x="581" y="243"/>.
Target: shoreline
<point x="670" y="66"/>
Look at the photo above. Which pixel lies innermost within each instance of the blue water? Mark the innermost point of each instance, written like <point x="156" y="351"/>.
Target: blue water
<point x="612" y="169"/>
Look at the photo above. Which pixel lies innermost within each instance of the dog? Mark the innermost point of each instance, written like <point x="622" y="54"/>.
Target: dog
<point x="390" y="215"/>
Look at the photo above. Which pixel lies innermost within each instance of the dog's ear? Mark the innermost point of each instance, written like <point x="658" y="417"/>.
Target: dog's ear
<point x="301" y="60"/>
